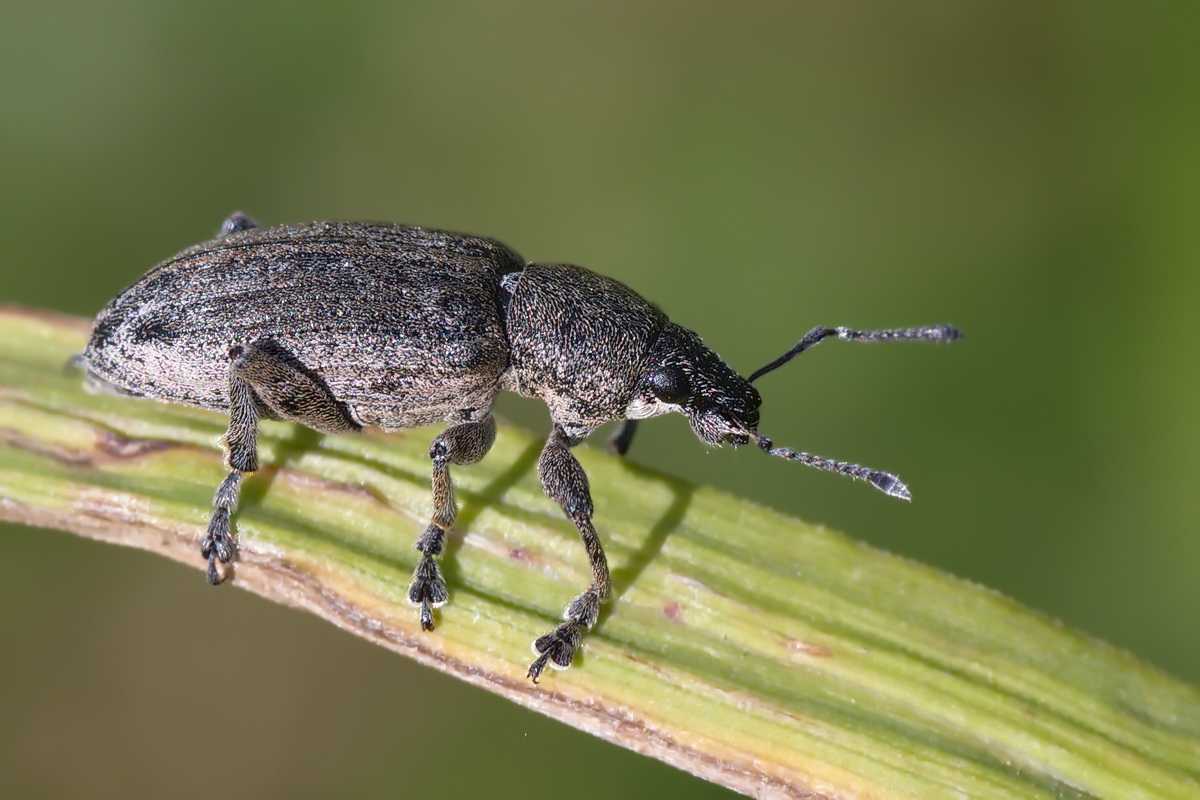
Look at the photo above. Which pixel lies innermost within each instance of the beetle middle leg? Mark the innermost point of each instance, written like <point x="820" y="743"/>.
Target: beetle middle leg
<point x="461" y="444"/>
<point x="264" y="380"/>
<point x="564" y="480"/>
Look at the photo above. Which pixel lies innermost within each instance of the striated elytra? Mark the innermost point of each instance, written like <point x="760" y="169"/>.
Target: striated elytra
<point x="345" y="325"/>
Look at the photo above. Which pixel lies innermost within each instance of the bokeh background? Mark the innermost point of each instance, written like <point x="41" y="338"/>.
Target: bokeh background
<point x="1028" y="171"/>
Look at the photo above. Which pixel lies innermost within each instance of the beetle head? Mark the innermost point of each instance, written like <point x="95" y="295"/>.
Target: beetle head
<point x="682" y="374"/>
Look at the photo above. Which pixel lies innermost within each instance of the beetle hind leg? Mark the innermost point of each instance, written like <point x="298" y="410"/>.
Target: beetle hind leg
<point x="241" y="449"/>
<point x="564" y="480"/>
<point x="461" y="444"/>
<point x="263" y="377"/>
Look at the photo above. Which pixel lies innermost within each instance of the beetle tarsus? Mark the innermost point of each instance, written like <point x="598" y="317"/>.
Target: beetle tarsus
<point x="219" y="545"/>
<point x="555" y="649"/>
<point x="558" y="647"/>
<point x="428" y="589"/>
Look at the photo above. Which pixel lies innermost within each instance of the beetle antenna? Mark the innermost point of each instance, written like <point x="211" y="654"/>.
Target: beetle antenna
<point x="885" y="482"/>
<point x="926" y="333"/>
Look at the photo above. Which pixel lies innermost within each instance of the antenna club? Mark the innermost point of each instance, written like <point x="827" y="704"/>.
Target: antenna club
<point x="890" y="485"/>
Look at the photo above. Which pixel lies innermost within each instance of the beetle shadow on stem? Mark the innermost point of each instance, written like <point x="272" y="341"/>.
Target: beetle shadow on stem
<point x="302" y="440"/>
<point x="299" y="441"/>
<point x="625" y="576"/>
<point x="477" y="501"/>
<point x="632" y="567"/>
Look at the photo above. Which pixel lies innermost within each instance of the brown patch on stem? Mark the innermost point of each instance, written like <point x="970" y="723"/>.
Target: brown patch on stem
<point x="812" y="649"/>
<point x="63" y="455"/>
<point x="109" y="447"/>
<point x="308" y="480"/>
<point x="117" y="446"/>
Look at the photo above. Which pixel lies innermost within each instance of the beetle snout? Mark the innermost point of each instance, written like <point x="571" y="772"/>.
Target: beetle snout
<point x="740" y="409"/>
<point x="717" y="425"/>
<point x="741" y="427"/>
<point x="736" y="439"/>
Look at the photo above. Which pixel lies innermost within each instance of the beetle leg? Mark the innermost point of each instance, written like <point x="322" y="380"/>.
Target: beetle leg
<point x="564" y="480"/>
<point x="263" y="377"/>
<point x="237" y="221"/>
<point x="287" y="388"/>
<point x="241" y="449"/>
<point x="622" y="438"/>
<point x="460" y="444"/>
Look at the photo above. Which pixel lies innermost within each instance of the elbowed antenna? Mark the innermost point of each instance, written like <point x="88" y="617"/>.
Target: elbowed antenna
<point x="885" y="482"/>
<point x="927" y="333"/>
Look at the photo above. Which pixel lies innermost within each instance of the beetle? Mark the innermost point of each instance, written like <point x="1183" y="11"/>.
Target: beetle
<point x="341" y="326"/>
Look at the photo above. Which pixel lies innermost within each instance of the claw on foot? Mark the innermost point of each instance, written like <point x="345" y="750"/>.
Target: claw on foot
<point x="426" y="616"/>
<point x="215" y="575"/>
<point x="556" y="648"/>
<point x="535" y="669"/>
<point x="218" y="546"/>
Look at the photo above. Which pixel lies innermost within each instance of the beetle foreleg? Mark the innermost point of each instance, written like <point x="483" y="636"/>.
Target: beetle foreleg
<point x="461" y="444"/>
<point x="564" y="480"/>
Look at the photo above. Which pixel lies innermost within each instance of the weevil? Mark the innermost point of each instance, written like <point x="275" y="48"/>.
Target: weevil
<point x="341" y="326"/>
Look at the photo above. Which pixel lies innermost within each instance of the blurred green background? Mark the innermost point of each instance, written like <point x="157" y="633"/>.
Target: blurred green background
<point x="1028" y="171"/>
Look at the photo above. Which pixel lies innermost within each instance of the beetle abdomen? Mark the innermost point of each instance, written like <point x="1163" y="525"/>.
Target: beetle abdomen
<point x="402" y="324"/>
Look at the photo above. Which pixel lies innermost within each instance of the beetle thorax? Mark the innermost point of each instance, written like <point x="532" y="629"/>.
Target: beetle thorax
<point x="578" y="341"/>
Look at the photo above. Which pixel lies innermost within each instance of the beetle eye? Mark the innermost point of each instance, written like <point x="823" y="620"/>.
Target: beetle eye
<point x="668" y="384"/>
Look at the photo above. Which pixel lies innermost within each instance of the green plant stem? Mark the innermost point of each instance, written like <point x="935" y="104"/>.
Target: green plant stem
<point x="752" y="649"/>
